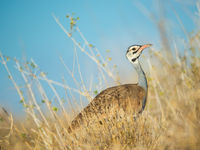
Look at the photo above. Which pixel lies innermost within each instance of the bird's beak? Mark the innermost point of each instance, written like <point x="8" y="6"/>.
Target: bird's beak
<point x="144" y="46"/>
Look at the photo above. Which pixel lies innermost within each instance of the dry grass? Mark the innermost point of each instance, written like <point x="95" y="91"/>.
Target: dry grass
<point x="171" y="119"/>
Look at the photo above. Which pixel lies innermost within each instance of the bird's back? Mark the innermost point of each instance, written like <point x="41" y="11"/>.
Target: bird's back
<point x="127" y="98"/>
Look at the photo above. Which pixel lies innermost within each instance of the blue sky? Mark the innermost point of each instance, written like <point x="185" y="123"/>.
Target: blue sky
<point x="28" y="30"/>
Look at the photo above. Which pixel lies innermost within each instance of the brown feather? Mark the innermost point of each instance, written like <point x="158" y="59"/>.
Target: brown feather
<point x="127" y="97"/>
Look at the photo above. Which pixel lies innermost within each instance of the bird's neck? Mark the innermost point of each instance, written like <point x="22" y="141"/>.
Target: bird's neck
<point x="142" y="81"/>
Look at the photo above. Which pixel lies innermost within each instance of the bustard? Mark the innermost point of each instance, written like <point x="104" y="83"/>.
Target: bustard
<point x="128" y="97"/>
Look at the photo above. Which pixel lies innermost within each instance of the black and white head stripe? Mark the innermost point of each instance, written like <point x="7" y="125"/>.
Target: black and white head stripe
<point x="134" y="51"/>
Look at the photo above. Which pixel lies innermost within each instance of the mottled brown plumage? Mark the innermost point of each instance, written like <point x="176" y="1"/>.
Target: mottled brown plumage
<point x="127" y="97"/>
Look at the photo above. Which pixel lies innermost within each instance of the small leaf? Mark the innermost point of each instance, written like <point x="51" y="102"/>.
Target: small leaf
<point x="107" y="51"/>
<point x="9" y="77"/>
<point x="23" y="135"/>
<point x="33" y="65"/>
<point x="90" y="45"/>
<point x="109" y="58"/>
<point x="150" y="79"/>
<point x="67" y="16"/>
<point x="72" y="22"/>
<point x="55" y="108"/>
<point x="33" y="106"/>
<point x="43" y="101"/>
<point x="26" y="106"/>
<point x="95" y="92"/>
<point x="21" y="101"/>
<point x="20" y="69"/>
<point x="77" y="18"/>
<point x="104" y="65"/>
<point x="161" y="93"/>
<point x="1" y="119"/>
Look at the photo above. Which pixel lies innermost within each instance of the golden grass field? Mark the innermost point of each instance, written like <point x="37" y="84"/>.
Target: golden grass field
<point x="171" y="119"/>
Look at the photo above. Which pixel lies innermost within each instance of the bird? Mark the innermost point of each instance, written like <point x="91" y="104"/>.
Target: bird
<point x="129" y="98"/>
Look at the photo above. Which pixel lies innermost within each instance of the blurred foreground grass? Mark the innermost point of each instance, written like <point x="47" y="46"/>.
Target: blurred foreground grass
<point x="171" y="119"/>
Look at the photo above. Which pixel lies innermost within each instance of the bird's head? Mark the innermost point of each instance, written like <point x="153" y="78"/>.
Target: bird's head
<point x="134" y="51"/>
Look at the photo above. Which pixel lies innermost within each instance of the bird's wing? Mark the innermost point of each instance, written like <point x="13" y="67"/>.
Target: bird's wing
<point x="123" y="96"/>
<point x="127" y="97"/>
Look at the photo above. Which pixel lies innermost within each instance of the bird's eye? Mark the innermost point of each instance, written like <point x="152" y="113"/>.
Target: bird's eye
<point x="133" y="49"/>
